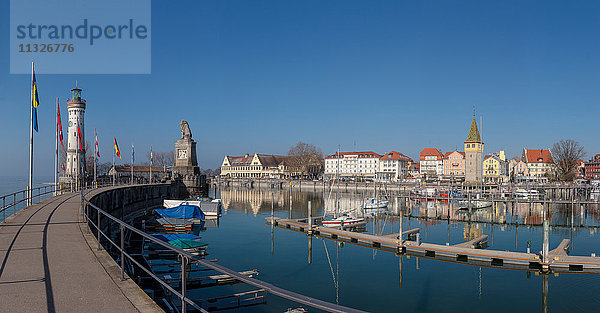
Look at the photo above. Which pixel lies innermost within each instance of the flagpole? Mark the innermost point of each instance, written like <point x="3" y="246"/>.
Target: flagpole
<point x="56" y="153"/>
<point x="114" y="169"/>
<point x="151" y="164"/>
<point x="95" y="155"/>
<point x="132" y="162"/>
<point x="77" y="158"/>
<point x="29" y="188"/>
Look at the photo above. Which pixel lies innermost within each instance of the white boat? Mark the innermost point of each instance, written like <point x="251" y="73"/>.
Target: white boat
<point x="210" y="209"/>
<point x="372" y="203"/>
<point x="527" y="194"/>
<point x="344" y="220"/>
<point x="475" y="204"/>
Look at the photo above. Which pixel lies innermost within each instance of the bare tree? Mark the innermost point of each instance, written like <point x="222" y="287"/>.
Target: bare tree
<point x="566" y="153"/>
<point x="307" y="159"/>
<point x="161" y="158"/>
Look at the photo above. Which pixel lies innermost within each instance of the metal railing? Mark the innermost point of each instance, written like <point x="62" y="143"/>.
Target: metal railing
<point x="21" y="198"/>
<point x="185" y="257"/>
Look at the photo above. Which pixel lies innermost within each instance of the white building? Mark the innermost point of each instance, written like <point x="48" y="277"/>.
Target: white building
<point x="393" y="166"/>
<point x="352" y="164"/>
<point x="431" y="162"/>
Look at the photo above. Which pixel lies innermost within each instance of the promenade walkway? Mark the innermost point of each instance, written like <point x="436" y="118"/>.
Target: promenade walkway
<point x="47" y="264"/>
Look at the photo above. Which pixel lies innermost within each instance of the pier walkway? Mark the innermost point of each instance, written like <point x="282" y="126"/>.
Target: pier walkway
<point x="47" y="264"/>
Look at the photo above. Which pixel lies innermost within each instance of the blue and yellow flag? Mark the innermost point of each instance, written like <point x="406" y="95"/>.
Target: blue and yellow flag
<point x="35" y="101"/>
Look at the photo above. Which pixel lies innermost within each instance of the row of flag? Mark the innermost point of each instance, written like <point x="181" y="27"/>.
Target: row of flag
<point x="35" y="103"/>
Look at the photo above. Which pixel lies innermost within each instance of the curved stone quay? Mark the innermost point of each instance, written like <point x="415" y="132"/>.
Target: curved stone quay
<point x="50" y="264"/>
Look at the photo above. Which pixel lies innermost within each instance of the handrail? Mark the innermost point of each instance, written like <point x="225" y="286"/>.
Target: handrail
<point x="24" y="197"/>
<point x="186" y="256"/>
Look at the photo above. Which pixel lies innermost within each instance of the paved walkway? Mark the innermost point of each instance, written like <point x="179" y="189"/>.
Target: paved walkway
<point x="48" y="266"/>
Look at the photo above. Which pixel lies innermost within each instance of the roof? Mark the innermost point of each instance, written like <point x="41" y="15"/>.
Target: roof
<point x="361" y="154"/>
<point x="240" y="160"/>
<point x="394" y="155"/>
<point x="431" y="152"/>
<point x="138" y="168"/>
<point x="271" y="160"/>
<point x="474" y="132"/>
<point x="447" y="154"/>
<point x="537" y="156"/>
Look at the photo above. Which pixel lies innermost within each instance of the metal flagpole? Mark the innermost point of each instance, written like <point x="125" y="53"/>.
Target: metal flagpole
<point x="132" y="152"/>
<point x="56" y="153"/>
<point x="151" y="164"/>
<point x="77" y="158"/>
<point x="95" y="155"/>
<point x="114" y="169"/>
<point x="29" y="202"/>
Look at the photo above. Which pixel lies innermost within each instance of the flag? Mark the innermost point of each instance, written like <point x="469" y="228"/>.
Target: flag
<point x="96" y="139"/>
<point x="60" y="134"/>
<point x="151" y="156"/>
<point x="79" y="138"/>
<point x="132" y="154"/>
<point x="35" y="100"/>
<point x="117" y="152"/>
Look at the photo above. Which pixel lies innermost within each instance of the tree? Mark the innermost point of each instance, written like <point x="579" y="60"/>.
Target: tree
<point x="306" y="159"/>
<point x="566" y="153"/>
<point x="161" y="158"/>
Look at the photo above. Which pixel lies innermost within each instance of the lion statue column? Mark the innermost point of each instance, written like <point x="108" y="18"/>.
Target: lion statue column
<point x="186" y="165"/>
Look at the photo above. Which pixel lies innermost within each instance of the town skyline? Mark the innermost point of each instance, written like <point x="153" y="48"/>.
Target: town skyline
<point x="400" y="76"/>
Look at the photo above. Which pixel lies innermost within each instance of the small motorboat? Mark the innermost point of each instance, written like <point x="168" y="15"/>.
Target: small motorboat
<point x="184" y="212"/>
<point x="344" y="220"/>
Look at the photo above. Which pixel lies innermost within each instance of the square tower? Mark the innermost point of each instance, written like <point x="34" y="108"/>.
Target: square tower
<point x="473" y="155"/>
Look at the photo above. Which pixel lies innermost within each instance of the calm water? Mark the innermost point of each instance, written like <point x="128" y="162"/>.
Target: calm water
<point x="370" y="280"/>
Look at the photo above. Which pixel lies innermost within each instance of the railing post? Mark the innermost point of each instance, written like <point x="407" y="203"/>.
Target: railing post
<point x="122" y="252"/>
<point x="183" y="282"/>
<point x="14" y="202"/>
<point x="3" y="208"/>
<point x="99" y="231"/>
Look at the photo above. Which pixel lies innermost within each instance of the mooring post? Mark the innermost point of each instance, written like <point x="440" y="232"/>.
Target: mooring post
<point x="546" y="244"/>
<point x="309" y="249"/>
<point x="183" y="282"/>
<point x="310" y="225"/>
<point x="122" y="252"/>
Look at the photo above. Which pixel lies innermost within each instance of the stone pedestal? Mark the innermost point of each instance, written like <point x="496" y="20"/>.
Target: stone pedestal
<point x="186" y="169"/>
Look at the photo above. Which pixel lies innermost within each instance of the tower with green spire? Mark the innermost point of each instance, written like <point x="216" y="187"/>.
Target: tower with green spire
<point x="473" y="155"/>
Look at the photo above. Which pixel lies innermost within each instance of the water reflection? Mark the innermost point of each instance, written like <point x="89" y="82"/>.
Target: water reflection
<point x="509" y="225"/>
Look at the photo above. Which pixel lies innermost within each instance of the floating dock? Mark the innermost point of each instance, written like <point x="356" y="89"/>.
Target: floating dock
<point x="465" y="253"/>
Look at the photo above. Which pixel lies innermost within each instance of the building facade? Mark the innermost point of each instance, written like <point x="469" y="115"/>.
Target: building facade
<point x="454" y="164"/>
<point x="363" y="164"/>
<point x="256" y="166"/>
<point x="592" y="168"/>
<point x="518" y="170"/>
<point x="393" y="166"/>
<point x="495" y="169"/>
<point x="431" y="162"/>
<point x="473" y="155"/>
<point x="539" y="162"/>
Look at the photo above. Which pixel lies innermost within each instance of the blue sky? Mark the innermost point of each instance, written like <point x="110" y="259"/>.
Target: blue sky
<point x="258" y="76"/>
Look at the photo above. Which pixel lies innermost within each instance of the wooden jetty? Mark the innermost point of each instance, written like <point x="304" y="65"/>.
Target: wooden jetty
<point x="465" y="253"/>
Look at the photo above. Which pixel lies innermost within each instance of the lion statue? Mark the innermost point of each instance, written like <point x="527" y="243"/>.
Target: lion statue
<point x="185" y="129"/>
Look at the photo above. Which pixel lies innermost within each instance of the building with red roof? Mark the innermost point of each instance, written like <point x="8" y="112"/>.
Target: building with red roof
<point x="592" y="168"/>
<point x="431" y="162"/>
<point x="363" y="164"/>
<point x="539" y="162"/>
<point x="454" y="164"/>
<point x="393" y="166"/>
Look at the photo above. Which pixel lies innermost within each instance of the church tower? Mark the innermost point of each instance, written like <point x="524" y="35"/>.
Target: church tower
<point x="75" y="156"/>
<point x="473" y="155"/>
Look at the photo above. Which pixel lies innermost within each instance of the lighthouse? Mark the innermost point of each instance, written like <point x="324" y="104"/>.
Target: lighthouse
<point x="75" y="156"/>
